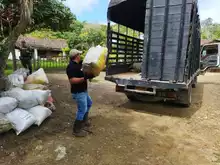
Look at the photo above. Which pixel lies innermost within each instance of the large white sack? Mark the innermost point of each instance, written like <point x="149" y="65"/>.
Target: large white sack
<point x="38" y="77"/>
<point x="41" y="96"/>
<point x="137" y="67"/>
<point x="7" y="104"/>
<point x="94" y="53"/>
<point x="16" y="80"/>
<point x="94" y="61"/>
<point x="5" y="125"/>
<point x="22" y="71"/>
<point x="26" y="99"/>
<point x="21" y="120"/>
<point x="40" y="113"/>
<point x="34" y="87"/>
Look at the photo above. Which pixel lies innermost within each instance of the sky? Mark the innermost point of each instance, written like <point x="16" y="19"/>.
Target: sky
<point x="95" y="11"/>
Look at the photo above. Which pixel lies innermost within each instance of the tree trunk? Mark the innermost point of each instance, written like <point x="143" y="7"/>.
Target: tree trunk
<point x="26" y="8"/>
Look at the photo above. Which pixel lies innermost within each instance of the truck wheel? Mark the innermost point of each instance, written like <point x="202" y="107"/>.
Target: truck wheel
<point x="131" y="97"/>
<point x="194" y="83"/>
<point x="185" y="97"/>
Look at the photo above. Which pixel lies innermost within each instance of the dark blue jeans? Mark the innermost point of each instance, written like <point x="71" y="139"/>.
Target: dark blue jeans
<point x="84" y="103"/>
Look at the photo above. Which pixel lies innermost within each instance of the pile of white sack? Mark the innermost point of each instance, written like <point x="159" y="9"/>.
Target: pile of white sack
<point x="28" y="101"/>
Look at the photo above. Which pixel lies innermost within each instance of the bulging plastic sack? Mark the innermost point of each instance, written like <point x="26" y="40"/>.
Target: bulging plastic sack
<point x="34" y="87"/>
<point x="41" y="96"/>
<point x="38" y="77"/>
<point x="94" y="61"/>
<point x="5" y="124"/>
<point x="21" y="120"/>
<point x="28" y="99"/>
<point x="137" y="67"/>
<point x="7" y="104"/>
<point x="40" y="113"/>
<point x="22" y="71"/>
<point x="16" y="80"/>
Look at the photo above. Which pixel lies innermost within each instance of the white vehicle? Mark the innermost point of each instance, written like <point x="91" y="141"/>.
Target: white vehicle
<point x="210" y="56"/>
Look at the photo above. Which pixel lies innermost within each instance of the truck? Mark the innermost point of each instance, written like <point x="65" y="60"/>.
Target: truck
<point x="210" y="57"/>
<point x="167" y="53"/>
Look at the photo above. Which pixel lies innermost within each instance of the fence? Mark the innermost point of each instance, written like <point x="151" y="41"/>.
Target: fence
<point x="56" y="63"/>
<point x="48" y="64"/>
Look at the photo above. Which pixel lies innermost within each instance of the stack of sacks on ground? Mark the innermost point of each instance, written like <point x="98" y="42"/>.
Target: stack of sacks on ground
<point x="20" y="78"/>
<point x="19" y="108"/>
<point x="94" y="61"/>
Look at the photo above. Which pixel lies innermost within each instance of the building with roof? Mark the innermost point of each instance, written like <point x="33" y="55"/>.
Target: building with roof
<point x="45" y="47"/>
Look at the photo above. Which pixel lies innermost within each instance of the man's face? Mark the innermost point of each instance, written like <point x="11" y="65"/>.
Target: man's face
<point x="78" y="58"/>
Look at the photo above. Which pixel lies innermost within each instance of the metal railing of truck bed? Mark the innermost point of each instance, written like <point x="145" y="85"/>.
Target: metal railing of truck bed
<point x="123" y="49"/>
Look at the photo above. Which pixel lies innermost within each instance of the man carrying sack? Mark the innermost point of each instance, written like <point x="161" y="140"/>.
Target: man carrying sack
<point x="78" y="81"/>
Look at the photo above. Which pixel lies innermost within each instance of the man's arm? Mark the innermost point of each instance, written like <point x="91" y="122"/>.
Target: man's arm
<point x="75" y="80"/>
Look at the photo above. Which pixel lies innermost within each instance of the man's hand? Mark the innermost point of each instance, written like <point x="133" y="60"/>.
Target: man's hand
<point x="88" y="76"/>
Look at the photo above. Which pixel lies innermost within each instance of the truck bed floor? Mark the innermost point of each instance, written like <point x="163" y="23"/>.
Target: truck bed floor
<point x="128" y="75"/>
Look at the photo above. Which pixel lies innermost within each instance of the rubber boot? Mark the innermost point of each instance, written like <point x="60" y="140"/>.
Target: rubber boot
<point x="78" y="129"/>
<point x="86" y="120"/>
<point x="87" y="124"/>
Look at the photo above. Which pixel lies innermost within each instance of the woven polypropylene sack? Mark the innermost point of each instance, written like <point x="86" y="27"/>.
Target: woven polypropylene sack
<point x="7" y="104"/>
<point x="40" y="113"/>
<point x="16" y="80"/>
<point x="21" y="120"/>
<point x="34" y="87"/>
<point x="94" y="61"/>
<point x="38" y="77"/>
<point x="26" y="99"/>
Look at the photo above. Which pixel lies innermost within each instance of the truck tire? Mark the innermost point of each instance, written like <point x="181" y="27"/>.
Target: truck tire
<point x="194" y="83"/>
<point x="185" y="97"/>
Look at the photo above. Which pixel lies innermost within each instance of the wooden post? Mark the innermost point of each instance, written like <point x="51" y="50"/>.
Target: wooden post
<point x="14" y="58"/>
<point x="34" y="60"/>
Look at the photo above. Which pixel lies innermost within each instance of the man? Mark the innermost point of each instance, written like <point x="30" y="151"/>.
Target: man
<point x="26" y="56"/>
<point x="78" y="81"/>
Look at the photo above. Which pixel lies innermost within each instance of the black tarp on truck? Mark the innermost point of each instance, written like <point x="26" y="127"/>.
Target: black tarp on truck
<point x="169" y="55"/>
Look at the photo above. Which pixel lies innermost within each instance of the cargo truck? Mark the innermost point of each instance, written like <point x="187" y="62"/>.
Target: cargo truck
<point x="168" y="51"/>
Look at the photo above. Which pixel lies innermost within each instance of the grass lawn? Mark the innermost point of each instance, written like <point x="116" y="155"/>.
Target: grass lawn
<point x="46" y="65"/>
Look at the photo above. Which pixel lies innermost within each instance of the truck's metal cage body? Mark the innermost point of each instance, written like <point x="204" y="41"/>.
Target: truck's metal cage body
<point x="170" y="53"/>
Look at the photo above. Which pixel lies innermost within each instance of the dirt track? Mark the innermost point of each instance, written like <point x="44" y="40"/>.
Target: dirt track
<point x="124" y="133"/>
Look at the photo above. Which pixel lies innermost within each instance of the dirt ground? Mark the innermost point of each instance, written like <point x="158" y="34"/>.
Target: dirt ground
<point x="124" y="133"/>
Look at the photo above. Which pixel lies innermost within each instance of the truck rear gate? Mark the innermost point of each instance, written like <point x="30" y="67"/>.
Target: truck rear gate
<point x="169" y="53"/>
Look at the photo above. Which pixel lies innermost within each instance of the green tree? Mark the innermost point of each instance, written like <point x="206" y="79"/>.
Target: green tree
<point x="21" y="16"/>
<point x="210" y="30"/>
<point x="51" y="14"/>
<point x="88" y="37"/>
